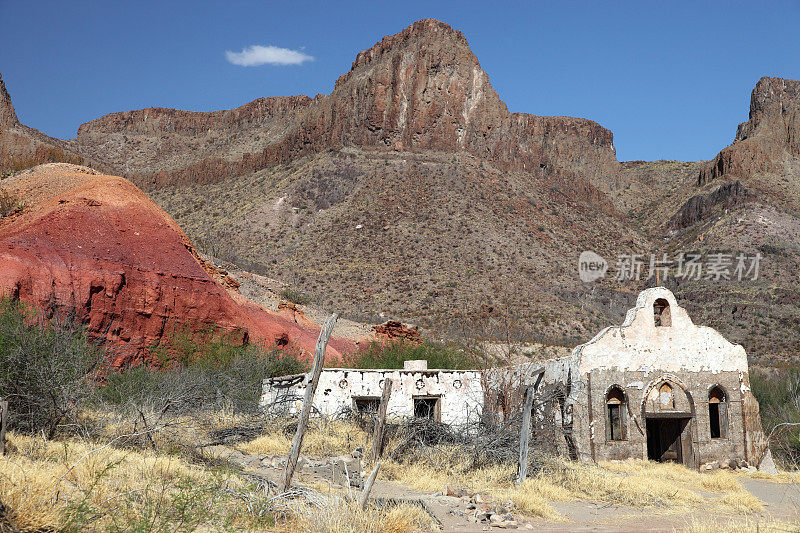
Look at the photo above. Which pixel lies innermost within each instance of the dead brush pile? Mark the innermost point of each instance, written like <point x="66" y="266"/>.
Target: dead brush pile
<point x="480" y="446"/>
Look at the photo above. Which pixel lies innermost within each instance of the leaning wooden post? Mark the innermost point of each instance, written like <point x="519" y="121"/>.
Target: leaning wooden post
<point x="305" y="412"/>
<point x="3" y="424"/>
<point x="380" y="421"/>
<point x="524" y="435"/>
<point x="362" y="500"/>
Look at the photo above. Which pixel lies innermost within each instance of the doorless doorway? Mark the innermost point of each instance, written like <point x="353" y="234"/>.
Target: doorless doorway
<point x="668" y="439"/>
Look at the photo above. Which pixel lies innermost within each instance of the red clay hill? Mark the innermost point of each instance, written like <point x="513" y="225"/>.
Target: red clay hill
<point x="95" y="246"/>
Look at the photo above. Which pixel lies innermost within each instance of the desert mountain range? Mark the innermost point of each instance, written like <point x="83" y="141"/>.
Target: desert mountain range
<point x="412" y="192"/>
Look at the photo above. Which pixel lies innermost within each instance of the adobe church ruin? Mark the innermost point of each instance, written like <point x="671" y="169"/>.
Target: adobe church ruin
<point x="657" y="387"/>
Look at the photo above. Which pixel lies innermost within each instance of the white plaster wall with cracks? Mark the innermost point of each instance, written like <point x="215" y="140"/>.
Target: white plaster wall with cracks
<point x="640" y="345"/>
<point x="453" y="397"/>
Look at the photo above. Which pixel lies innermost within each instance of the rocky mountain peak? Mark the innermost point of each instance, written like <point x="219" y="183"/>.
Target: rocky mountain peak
<point x="429" y="34"/>
<point x="8" y="117"/>
<point x="774" y="107"/>
<point x="769" y="140"/>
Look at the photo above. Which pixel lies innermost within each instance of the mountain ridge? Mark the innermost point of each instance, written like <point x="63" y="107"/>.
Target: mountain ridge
<point x="421" y="89"/>
<point x="411" y="191"/>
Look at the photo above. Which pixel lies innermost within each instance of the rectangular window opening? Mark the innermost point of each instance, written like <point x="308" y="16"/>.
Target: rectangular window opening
<point x="427" y="408"/>
<point x="367" y="405"/>
<point x="713" y="415"/>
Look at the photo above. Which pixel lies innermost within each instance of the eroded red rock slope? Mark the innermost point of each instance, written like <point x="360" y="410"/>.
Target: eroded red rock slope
<point x="96" y="246"/>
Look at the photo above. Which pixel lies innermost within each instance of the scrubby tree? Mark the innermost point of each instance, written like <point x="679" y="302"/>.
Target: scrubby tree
<point x="45" y="368"/>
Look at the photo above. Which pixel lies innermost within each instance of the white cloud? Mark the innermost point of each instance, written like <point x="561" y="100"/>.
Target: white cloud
<point x="256" y="55"/>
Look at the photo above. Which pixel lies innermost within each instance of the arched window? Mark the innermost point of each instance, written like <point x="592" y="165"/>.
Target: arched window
<point x="665" y="396"/>
<point x="615" y="407"/>
<point x="661" y="314"/>
<point x="718" y="413"/>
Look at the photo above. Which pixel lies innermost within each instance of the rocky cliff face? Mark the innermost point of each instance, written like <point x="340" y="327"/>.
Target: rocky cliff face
<point x="769" y="140"/>
<point x="22" y="147"/>
<point x="700" y="206"/>
<point x="8" y="117"/>
<point x="95" y="247"/>
<point x="159" y="146"/>
<point x="421" y="89"/>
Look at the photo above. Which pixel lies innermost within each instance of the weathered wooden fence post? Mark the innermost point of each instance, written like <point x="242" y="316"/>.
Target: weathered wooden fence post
<point x="524" y="435"/>
<point x="380" y="421"/>
<point x="3" y="424"/>
<point x="311" y="387"/>
<point x="362" y="500"/>
<point x="525" y="431"/>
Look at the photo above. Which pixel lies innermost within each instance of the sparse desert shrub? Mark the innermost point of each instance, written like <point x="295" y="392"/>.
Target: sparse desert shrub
<point x="294" y="296"/>
<point x="43" y="153"/>
<point x="778" y="395"/>
<point x="9" y="204"/>
<point x="45" y="368"/>
<point x="200" y="370"/>
<point x="393" y="354"/>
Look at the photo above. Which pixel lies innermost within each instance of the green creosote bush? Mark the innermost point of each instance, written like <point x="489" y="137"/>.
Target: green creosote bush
<point x="199" y="370"/>
<point x="778" y="395"/>
<point x="9" y="204"/>
<point x="294" y="296"/>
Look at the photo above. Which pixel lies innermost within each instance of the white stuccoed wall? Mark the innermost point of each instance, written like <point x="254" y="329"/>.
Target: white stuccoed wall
<point x="460" y="391"/>
<point x="637" y="345"/>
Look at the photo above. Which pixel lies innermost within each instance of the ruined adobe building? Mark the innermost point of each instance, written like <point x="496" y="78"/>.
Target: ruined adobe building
<point x="453" y="397"/>
<point x="657" y="387"/>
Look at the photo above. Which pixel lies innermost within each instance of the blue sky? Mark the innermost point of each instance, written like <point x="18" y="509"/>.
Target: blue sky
<point x="670" y="79"/>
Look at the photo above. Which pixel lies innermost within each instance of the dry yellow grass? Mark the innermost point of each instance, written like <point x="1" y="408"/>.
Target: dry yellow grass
<point x="741" y="525"/>
<point x="636" y="483"/>
<point x="72" y="485"/>
<point x="324" y="438"/>
<point x="78" y="486"/>
<point x="781" y="477"/>
<point x="345" y="516"/>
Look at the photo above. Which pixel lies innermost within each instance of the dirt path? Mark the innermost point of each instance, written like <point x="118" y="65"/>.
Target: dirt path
<point x="781" y="503"/>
